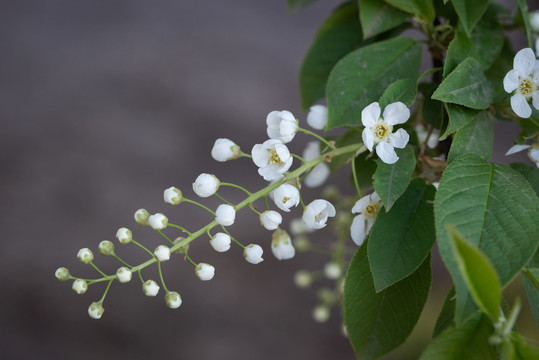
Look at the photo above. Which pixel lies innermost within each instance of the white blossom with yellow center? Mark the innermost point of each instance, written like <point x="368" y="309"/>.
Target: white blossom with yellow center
<point x="523" y="82"/>
<point x="367" y="207"/>
<point x="273" y="159"/>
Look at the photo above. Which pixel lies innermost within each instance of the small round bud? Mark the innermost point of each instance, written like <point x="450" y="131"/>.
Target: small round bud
<point x="162" y="253"/>
<point x="173" y="299"/>
<point x="79" y="286"/>
<point x="150" y="288"/>
<point x="204" y="271"/>
<point x="303" y="279"/>
<point x="62" y="274"/>
<point x="224" y="150"/>
<point x="321" y="313"/>
<point x="206" y="185"/>
<point x="106" y="248"/>
<point x="332" y="271"/>
<point x="317" y="118"/>
<point x="172" y="196"/>
<point x="85" y="255"/>
<point x="124" y="235"/>
<point x="326" y="295"/>
<point x="281" y="245"/>
<point x="96" y="310"/>
<point x="123" y="274"/>
<point x="182" y="249"/>
<point x="142" y="216"/>
<point x="158" y="221"/>
<point x="220" y="242"/>
<point x="225" y="215"/>
<point x="253" y="253"/>
<point x="270" y="219"/>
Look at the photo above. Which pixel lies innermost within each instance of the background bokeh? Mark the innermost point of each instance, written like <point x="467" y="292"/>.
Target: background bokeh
<point x="104" y="104"/>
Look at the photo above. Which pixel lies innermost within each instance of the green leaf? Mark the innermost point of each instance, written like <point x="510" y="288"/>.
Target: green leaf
<point x="523" y="351"/>
<point x="459" y="116"/>
<point x="376" y="17"/>
<point x="362" y="76"/>
<point x="391" y="180"/>
<point x="365" y="168"/>
<point x="530" y="173"/>
<point x="466" y="85"/>
<point x="469" y="12"/>
<point x="401" y="239"/>
<point x="495" y="209"/>
<point x="403" y="90"/>
<point x="488" y="37"/>
<point x="469" y="341"/>
<point x="525" y="17"/>
<point x="339" y="35"/>
<point x="424" y="8"/>
<point x="445" y="319"/>
<point x="478" y="274"/>
<point x="502" y="64"/>
<point x="476" y="137"/>
<point x="459" y="49"/>
<point x="432" y="110"/>
<point x="530" y="278"/>
<point x="379" y="322"/>
<point x="295" y="5"/>
<point x="529" y="128"/>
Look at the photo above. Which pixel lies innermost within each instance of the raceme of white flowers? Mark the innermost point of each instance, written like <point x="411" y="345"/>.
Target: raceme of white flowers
<point x="523" y="82"/>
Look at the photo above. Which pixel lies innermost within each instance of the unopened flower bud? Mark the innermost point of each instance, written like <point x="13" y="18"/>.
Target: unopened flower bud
<point x="162" y="253"/>
<point x="106" y="248"/>
<point x="150" y="288"/>
<point x="303" y="279"/>
<point x="220" y="242"/>
<point x="270" y="219"/>
<point x="80" y="286"/>
<point x="281" y="245"/>
<point x="253" y="253"/>
<point x="62" y="274"/>
<point x="204" y="271"/>
<point x="96" y="310"/>
<point x="158" y="221"/>
<point x="225" y="215"/>
<point x="332" y="271"/>
<point x="282" y="125"/>
<point x="85" y="255"/>
<point x="321" y="313"/>
<point x="183" y="249"/>
<point x="124" y="235"/>
<point x="317" y="118"/>
<point x="141" y="217"/>
<point x="224" y="150"/>
<point x="123" y="274"/>
<point x="172" y="196"/>
<point x="173" y="299"/>
<point x="206" y="185"/>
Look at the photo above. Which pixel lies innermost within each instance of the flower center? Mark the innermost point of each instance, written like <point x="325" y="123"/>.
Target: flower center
<point x="526" y="86"/>
<point x="381" y="131"/>
<point x="274" y="157"/>
<point x="285" y="199"/>
<point x="371" y="210"/>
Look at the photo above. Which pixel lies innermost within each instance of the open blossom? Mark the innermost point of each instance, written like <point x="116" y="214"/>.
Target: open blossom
<point x="224" y="150"/>
<point x="172" y="196"/>
<point x="270" y="219"/>
<point x="379" y="129"/>
<point x="273" y="159"/>
<point x="522" y="81"/>
<point x="286" y="196"/>
<point x="281" y="245"/>
<point x="204" y="271"/>
<point x="253" y="254"/>
<point x="367" y="207"/>
<point x="220" y="242"/>
<point x="533" y="151"/>
<point x="317" y="118"/>
<point x="282" y="125"/>
<point x="206" y="185"/>
<point x="316" y="214"/>
<point x="319" y="174"/>
<point x="225" y="215"/>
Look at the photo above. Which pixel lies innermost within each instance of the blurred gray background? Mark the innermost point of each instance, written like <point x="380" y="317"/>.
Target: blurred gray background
<point x="103" y="105"/>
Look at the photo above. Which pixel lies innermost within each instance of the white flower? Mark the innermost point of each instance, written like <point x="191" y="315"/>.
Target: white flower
<point x="162" y="253"/>
<point x="124" y="235"/>
<point x="220" y="242"/>
<point x="332" y="271"/>
<point x="533" y="151"/>
<point x="96" y="310"/>
<point x="80" y="286"/>
<point x="317" y="118"/>
<point x="172" y="196"/>
<point x="317" y="212"/>
<point x="273" y="159"/>
<point x="106" y="248"/>
<point x="85" y="255"/>
<point x="534" y="21"/>
<point x="281" y="245"/>
<point x="62" y="274"/>
<point x="204" y="271"/>
<point x="379" y="130"/>
<point x="225" y="215"/>
<point x="303" y="279"/>
<point x="150" y="288"/>
<point x="422" y="133"/>
<point x="173" y="299"/>
<point x="224" y="150"/>
<point x="253" y="253"/>
<point x="141" y="217"/>
<point x="123" y="274"/>
<point x="523" y="81"/>
<point x="286" y="196"/>
<point x="270" y="219"/>
<point x="206" y="185"/>
<point x="282" y="125"/>
<point x="319" y="174"/>
<point x="158" y="221"/>
<point x="367" y="207"/>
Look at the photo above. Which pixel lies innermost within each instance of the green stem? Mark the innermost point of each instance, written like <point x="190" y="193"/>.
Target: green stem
<point x="140" y="276"/>
<point x="354" y="175"/>
<point x="222" y="199"/>
<point x="246" y="155"/>
<point x="237" y="187"/>
<point x="161" y="277"/>
<point x="166" y="237"/>
<point x="105" y="293"/>
<point x="199" y="205"/>
<point x="232" y="237"/>
<point x="191" y="261"/>
<point x="97" y="269"/>
<point x="120" y="260"/>
<point x="179" y="227"/>
<point x="299" y="158"/>
<point x="331" y="146"/>
<point x="252" y="207"/>
<point x="143" y="248"/>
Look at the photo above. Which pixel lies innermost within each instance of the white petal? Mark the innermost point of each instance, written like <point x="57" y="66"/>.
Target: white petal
<point x="368" y="138"/>
<point x="286" y="165"/>
<point x="520" y="106"/>
<point x="270" y="172"/>
<point x="533" y="154"/>
<point x="282" y="151"/>
<point x="361" y="204"/>
<point x="273" y="132"/>
<point x="260" y="155"/>
<point x="537" y="47"/>
<point x="357" y="230"/>
<point x="273" y="119"/>
<point x="318" y="117"/>
<point x="375" y="197"/>
<point x="524" y="62"/>
<point x="516" y="148"/>
<point x="396" y="113"/>
<point x="399" y="139"/>
<point x="510" y="81"/>
<point x="317" y="176"/>
<point x="535" y="99"/>
<point x="312" y="151"/>
<point x="386" y="152"/>
<point x="370" y="115"/>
